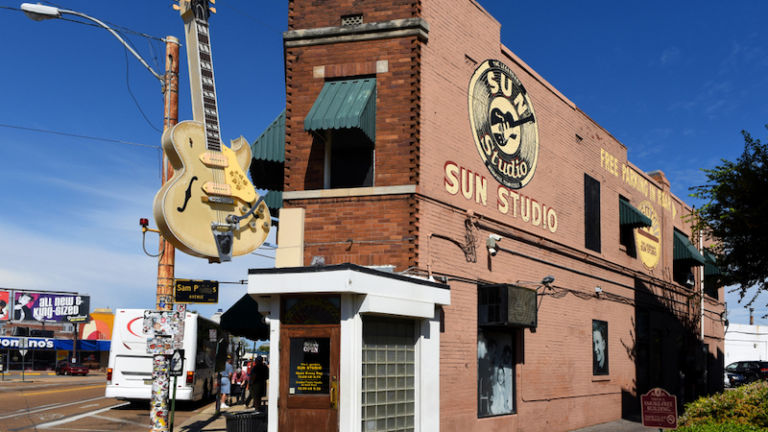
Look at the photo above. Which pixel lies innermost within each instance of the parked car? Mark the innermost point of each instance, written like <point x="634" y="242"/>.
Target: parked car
<point x="745" y="372"/>
<point x="68" y="368"/>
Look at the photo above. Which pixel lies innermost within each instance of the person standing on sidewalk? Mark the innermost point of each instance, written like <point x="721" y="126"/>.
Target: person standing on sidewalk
<point x="257" y="382"/>
<point x="226" y="382"/>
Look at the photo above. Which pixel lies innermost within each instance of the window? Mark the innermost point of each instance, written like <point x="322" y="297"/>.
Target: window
<point x="343" y="117"/>
<point x="349" y="159"/>
<point x="388" y="398"/>
<point x="591" y="213"/>
<point x="627" y="233"/>
<point x="495" y="372"/>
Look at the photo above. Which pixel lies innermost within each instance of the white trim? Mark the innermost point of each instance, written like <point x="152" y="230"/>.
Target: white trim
<point x="274" y="364"/>
<point x="350" y="192"/>
<point x="351" y="364"/>
<point x="385" y="291"/>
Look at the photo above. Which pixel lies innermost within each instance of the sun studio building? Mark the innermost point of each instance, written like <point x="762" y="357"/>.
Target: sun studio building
<point x="460" y="247"/>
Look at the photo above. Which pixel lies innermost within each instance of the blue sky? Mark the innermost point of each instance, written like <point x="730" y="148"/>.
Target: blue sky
<point x="675" y="82"/>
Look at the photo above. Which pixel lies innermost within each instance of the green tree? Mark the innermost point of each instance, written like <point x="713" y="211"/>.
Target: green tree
<point x="734" y="213"/>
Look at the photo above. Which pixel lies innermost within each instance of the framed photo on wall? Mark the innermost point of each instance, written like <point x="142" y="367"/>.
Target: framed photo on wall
<point x="495" y="362"/>
<point x="599" y="347"/>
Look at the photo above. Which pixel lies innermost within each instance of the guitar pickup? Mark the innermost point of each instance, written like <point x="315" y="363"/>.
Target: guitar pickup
<point x="218" y="200"/>
<point x="212" y="188"/>
<point x="213" y="159"/>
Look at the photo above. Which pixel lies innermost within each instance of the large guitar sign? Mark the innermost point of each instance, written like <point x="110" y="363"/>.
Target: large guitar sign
<point x="208" y="208"/>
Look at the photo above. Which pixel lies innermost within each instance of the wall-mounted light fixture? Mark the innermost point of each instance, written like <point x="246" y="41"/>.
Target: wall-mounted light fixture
<point x="598" y="290"/>
<point x="547" y="281"/>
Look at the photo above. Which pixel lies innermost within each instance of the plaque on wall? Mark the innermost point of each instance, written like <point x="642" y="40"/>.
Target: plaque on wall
<point x="310" y="366"/>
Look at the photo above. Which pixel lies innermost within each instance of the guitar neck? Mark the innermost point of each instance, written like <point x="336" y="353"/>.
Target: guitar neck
<point x="201" y="81"/>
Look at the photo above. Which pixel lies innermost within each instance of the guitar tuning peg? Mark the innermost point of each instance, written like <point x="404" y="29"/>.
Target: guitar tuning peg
<point x="176" y="7"/>
<point x="212" y="1"/>
<point x="212" y="9"/>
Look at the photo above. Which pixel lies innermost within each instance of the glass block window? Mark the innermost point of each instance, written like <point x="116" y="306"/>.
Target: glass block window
<point x="351" y="20"/>
<point x="388" y="374"/>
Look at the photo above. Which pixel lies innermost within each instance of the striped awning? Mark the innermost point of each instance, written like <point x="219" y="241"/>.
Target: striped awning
<point x="685" y="252"/>
<point x="345" y="104"/>
<point x="710" y="267"/>
<point x="270" y="146"/>
<point x="629" y="216"/>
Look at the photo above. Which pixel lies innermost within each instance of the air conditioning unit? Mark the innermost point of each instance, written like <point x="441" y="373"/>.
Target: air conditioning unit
<point x="504" y="305"/>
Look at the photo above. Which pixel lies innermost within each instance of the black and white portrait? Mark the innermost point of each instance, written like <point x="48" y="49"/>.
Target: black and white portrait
<point x="495" y="368"/>
<point x="599" y="347"/>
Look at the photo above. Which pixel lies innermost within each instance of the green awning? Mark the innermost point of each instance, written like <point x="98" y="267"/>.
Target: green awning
<point x="629" y="216"/>
<point x="710" y="267"/>
<point x="270" y="146"/>
<point x="274" y="200"/>
<point x="685" y="251"/>
<point x="343" y="105"/>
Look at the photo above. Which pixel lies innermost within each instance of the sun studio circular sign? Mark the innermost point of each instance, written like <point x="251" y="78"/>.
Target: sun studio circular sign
<point x="503" y="124"/>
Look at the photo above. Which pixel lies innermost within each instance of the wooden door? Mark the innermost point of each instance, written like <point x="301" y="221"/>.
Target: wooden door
<point x="309" y="372"/>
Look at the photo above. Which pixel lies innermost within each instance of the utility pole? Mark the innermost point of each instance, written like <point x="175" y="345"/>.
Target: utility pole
<point x="165" y="265"/>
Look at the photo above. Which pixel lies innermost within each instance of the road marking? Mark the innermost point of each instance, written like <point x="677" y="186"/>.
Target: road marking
<point x="79" y="416"/>
<point x="50" y="407"/>
<point x="63" y="390"/>
<point x="122" y="421"/>
<point x="89" y="405"/>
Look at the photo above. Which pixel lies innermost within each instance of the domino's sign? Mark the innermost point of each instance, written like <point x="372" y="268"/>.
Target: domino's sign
<point x="32" y="343"/>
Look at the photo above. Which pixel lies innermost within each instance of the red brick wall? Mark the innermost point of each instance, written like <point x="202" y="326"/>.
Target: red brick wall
<point x="396" y="108"/>
<point x="422" y="123"/>
<point x="379" y="228"/>
<point x="328" y="13"/>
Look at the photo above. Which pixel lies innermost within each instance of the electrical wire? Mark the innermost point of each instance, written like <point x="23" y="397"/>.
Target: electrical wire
<point x="93" y="138"/>
<point x="130" y="92"/>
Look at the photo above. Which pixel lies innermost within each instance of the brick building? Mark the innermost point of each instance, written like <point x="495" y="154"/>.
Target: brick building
<point x="460" y="247"/>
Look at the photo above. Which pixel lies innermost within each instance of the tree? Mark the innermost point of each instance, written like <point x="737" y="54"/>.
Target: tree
<point x="735" y="212"/>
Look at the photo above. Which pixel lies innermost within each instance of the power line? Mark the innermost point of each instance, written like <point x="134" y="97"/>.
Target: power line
<point x="110" y="140"/>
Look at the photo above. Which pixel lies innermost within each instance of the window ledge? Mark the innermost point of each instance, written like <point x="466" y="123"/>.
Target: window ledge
<point x="350" y="192"/>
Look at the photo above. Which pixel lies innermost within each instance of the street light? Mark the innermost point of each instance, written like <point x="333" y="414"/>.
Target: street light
<point x="38" y="12"/>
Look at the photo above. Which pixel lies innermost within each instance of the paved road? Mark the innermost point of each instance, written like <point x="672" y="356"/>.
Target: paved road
<point x="74" y="404"/>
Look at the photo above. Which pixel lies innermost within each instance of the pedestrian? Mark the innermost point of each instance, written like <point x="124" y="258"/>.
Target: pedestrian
<point x="257" y="382"/>
<point x="226" y="382"/>
<point x="238" y="381"/>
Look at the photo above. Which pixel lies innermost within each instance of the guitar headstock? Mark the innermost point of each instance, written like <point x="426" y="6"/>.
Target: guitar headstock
<point x="200" y="8"/>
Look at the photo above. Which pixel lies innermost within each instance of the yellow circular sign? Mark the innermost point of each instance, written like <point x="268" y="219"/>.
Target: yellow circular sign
<point x="648" y="239"/>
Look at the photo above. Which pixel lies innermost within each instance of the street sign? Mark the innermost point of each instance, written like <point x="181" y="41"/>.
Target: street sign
<point x="176" y="368"/>
<point x="196" y="291"/>
<point x="659" y="409"/>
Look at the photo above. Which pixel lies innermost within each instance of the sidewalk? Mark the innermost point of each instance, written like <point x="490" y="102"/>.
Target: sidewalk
<point x="209" y="421"/>
<point x="617" y="426"/>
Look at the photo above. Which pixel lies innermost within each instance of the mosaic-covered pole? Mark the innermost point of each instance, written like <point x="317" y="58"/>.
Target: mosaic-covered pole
<point x="159" y="408"/>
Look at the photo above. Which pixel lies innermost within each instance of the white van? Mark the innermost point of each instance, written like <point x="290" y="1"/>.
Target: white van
<point x="129" y="374"/>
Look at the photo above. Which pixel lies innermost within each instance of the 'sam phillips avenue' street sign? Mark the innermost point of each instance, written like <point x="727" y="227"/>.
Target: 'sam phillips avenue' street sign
<point x="196" y="291"/>
<point x="659" y="409"/>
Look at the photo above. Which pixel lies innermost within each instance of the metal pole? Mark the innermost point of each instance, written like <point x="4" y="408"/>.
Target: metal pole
<point x="173" y="403"/>
<point x="165" y="265"/>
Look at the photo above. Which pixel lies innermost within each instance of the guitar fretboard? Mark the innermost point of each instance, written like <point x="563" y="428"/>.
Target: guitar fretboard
<point x="208" y="86"/>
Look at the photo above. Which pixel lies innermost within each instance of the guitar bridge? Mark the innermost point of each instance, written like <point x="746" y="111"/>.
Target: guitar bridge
<point x="223" y="239"/>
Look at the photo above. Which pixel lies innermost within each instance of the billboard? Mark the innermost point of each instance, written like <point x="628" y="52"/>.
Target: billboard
<point x="5" y="305"/>
<point x="42" y="306"/>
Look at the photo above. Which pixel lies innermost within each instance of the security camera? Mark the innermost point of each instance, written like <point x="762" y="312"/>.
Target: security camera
<point x="491" y="244"/>
<point x="547" y="280"/>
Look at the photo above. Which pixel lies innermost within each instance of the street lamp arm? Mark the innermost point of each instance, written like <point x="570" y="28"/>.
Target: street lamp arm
<point x="40" y="12"/>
